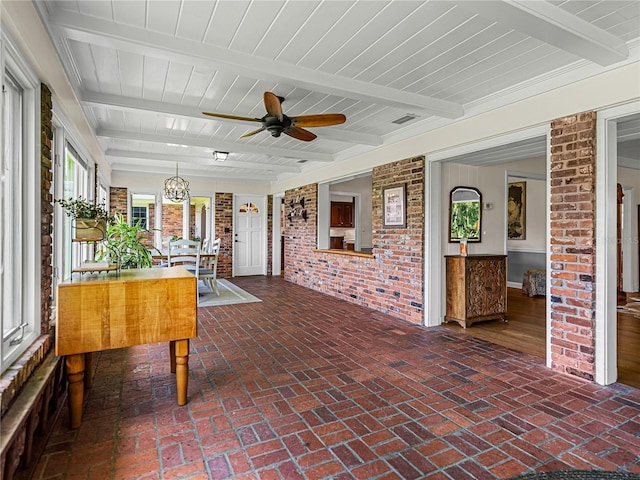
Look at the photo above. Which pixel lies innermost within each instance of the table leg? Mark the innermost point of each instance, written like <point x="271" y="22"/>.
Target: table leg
<point x="172" y="355"/>
<point x="75" y="375"/>
<point x="88" y="368"/>
<point x="182" y="369"/>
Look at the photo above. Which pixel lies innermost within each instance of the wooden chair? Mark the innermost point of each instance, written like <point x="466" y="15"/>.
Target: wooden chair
<point x="185" y="253"/>
<point x="188" y="254"/>
<point x="210" y="277"/>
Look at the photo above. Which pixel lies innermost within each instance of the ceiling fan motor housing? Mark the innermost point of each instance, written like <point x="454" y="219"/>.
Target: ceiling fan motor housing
<point x="274" y="126"/>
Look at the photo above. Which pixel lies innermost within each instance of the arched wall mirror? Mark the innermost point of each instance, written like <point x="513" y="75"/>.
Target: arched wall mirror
<point x="465" y="214"/>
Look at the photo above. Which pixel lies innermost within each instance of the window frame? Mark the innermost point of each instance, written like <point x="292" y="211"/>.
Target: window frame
<point x="26" y="237"/>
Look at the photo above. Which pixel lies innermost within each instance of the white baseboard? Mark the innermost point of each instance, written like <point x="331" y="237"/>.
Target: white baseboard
<point x="514" y="284"/>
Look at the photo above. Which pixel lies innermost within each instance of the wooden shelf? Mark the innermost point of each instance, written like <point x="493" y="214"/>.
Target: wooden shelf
<point x="86" y="240"/>
<point x="110" y="268"/>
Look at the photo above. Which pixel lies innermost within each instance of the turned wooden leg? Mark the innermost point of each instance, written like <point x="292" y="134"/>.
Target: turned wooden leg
<point x="172" y="355"/>
<point x="182" y="369"/>
<point x="88" y="368"/>
<point x="75" y="375"/>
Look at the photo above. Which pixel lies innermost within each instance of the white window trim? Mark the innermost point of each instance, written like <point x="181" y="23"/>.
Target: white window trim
<point x="30" y="196"/>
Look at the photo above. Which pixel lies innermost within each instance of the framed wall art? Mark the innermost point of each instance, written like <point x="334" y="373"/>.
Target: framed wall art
<point x="394" y="206"/>
<point x="516" y="211"/>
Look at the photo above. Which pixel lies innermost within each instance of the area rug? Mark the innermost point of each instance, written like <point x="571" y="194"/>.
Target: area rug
<point x="229" y="295"/>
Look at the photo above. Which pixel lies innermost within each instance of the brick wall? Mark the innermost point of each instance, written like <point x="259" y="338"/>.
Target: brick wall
<point x="224" y="220"/>
<point x="573" y="159"/>
<point x="172" y="220"/>
<point x="392" y="280"/>
<point x="118" y="201"/>
<point x="46" y="208"/>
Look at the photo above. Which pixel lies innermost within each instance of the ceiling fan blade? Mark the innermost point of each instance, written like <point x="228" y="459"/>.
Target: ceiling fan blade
<point x="273" y="105"/>
<point x="252" y="133"/>
<point x="232" y="117"/>
<point x="322" y="120"/>
<point x="300" y="134"/>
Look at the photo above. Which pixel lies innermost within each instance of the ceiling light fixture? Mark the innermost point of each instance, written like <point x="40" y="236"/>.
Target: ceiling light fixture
<point x="220" y="156"/>
<point x="176" y="188"/>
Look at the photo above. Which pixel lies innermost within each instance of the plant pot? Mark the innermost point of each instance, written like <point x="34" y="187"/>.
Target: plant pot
<point x="91" y="228"/>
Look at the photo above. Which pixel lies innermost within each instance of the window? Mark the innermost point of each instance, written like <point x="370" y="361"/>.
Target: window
<point x="76" y="183"/>
<point x="140" y="214"/>
<point x="19" y="207"/>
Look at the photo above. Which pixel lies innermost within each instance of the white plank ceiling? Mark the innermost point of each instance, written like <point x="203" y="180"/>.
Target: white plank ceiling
<point x="146" y="69"/>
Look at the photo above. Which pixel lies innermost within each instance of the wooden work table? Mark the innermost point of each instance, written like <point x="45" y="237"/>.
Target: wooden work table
<point x="113" y="310"/>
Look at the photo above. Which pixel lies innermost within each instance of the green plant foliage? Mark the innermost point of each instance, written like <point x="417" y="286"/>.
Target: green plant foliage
<point x="81" y="208"/>
<point x="124" y="245"/>
<point x="465" y="220"/>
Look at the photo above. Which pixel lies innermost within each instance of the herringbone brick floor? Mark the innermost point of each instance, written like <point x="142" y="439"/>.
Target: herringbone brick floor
<point x="303" y="386"/>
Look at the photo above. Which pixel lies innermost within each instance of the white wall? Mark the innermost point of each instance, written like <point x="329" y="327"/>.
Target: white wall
<point x="491" y="181"/>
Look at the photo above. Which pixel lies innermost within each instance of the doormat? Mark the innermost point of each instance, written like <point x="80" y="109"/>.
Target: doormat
<point x="229" y="294"/>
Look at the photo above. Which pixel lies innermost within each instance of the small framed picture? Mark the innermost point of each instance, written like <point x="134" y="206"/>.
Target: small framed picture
<point x="394" y="201"/>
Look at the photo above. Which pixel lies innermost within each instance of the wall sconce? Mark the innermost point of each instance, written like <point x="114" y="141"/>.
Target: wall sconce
<point x="220" y="156"/>
<point x="297" y="209"/>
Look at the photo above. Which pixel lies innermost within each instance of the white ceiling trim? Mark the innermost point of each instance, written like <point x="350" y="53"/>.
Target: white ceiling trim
<point x="554" y="26"/>
<point x="186" y="173"/>
<point x="214" y="145"/>
<point x="200" y="160"/>
<point x="116" y="102"/>
<point x="107" y="34"/>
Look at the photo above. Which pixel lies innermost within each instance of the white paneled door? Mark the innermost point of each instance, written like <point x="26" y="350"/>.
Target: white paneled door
<point x="249" y="245"/>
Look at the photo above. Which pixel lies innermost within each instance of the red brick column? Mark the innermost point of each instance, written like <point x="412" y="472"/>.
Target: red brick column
<point x="172" y="217"/>
<point x="572" y="210"/>
<point x="400" y="251"/>
<point x="118" y="201"/>
<point x="269" y="234"/>
<point x="224" y="231"/>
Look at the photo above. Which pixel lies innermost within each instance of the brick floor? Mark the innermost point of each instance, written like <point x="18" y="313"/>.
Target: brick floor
<point x="303" y="386"/>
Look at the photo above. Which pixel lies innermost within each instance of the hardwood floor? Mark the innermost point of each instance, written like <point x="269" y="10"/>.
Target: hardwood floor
<point x="525" y="332"/>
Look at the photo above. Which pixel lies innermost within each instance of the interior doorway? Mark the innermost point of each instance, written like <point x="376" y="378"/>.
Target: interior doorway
<point x="249" y="236"/>
<point x="487" y="166"/>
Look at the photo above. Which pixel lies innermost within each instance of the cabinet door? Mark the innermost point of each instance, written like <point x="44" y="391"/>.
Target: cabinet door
<point x="336" y="243"/>
<point x="348" y="215"/>
<point x="475" y="287"/>
<point x="336" y="214"/>
<point x="496" y="285"/>
<point x="341" y="214"/>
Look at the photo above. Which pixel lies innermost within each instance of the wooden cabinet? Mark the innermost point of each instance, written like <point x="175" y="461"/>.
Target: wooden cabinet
<point x="476" y="288"/>
<point x="336" y="243"/>
<point x="342" y="214"/>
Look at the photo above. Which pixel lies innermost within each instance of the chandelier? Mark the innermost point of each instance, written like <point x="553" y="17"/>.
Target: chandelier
<point x="176" y="188"/>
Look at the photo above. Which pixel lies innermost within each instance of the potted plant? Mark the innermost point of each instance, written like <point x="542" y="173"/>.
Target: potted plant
<point x="124" y="245"/>
<point x="90" y="219"/>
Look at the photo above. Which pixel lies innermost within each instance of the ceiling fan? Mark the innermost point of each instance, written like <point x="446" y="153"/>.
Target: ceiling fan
<point x="277" y="123"/>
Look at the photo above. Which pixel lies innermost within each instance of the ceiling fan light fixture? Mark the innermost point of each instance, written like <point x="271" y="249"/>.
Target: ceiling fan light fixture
<point x="176" y="188"/>
<point x="220" y="156"/>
